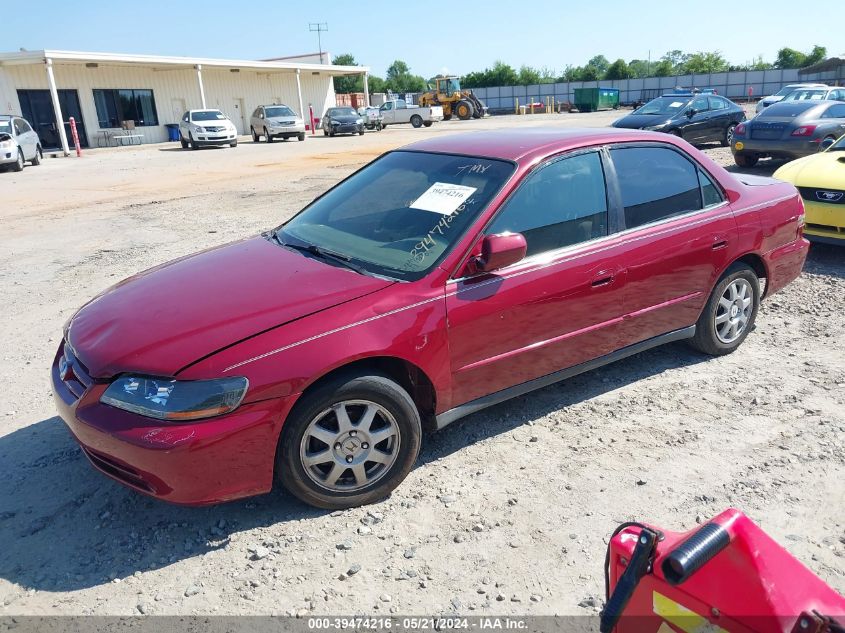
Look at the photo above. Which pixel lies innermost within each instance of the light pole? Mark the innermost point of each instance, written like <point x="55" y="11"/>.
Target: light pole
<point x="319" y="27"/>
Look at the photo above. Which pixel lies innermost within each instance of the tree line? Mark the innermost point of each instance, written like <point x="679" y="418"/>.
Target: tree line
<point x="399" y="78"/>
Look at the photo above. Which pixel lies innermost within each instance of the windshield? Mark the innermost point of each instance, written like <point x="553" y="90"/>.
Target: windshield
<point x="342" y="112"/>
<point x="663" y="105"/>
<point x="5" y="127"/>
<point x="806" y="95"/>
<point x="838" y="146"/>
<point x="207" y="115"/>
<point x="279" y="111"/>
<point x="400" y="215"/>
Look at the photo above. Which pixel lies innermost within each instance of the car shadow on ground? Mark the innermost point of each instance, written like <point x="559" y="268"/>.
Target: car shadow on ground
<point x="67" y="527"/>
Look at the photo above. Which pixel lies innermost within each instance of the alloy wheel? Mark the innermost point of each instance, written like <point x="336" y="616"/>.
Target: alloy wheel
<point x="734" y="310"/>
<point x="350" y="445"/>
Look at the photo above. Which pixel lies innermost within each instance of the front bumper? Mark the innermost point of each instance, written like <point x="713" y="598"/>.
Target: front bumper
<point x="287" y="130"/>
<point x="8" y="156"/>
<point x="205" y="462"/>
<point x="777" y="148"/>
<point x="215" y="139"/>
<point x="825" y="223"/>
<point x="351" y="128"/>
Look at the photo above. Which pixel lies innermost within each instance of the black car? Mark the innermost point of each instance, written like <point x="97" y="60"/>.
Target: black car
<point x="698" y="118"/>
<point x="342" y="120"/>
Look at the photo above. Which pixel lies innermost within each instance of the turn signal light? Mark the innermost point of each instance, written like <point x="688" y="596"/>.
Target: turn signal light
<point x="804" y="130"/>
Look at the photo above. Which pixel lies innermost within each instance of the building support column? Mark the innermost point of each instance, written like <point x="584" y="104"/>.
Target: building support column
<point x="366" y="90"/>
<point x="57" y="108"/>
<point x="299" y="96"/>
<point x="202" y="89"/>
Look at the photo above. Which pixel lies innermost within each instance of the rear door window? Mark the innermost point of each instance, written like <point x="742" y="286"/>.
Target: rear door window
<point x="656" y="183"/>
<point x="560" y="204"/>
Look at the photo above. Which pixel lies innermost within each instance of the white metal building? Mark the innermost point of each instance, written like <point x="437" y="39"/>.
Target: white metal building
<point x="101" y="90"/>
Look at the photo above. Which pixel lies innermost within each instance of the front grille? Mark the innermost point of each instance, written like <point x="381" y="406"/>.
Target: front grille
<point x="119" y="471"/>
<point x="827" y="196"/>
<point x="214" y="129"/>
<point x="827" y="227"/>
<point x="73" y="373"/>
<point x="766" y="131"/>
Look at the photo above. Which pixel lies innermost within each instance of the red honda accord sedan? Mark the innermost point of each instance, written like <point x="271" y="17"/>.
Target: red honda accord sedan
<point x="440" y="279"/>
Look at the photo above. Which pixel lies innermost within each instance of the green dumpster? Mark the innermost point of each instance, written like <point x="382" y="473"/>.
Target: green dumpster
<point x="592" y="99"/>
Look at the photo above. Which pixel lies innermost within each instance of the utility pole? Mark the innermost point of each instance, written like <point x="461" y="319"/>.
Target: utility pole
<point x="648" y="65"/>
<point x="319" y="28"/>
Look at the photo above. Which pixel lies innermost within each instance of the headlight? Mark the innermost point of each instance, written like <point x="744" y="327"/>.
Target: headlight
<point x="654" y="128"/>
<point x="334" y="122"/>
<point x="199" y="129"/>
<point x="175" y="400"/>
<point x="359" y="121"/>
<point x="6" y="144"/>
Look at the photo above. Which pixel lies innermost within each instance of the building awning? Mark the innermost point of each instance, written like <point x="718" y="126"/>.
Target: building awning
<point x="159" y="61"/>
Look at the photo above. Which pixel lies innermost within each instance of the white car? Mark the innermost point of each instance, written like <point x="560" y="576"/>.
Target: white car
<point x="780" y="94"/>
<point x="18" y="143"/>
<point x="206" y="127"/>
<point x="276" y="121"/>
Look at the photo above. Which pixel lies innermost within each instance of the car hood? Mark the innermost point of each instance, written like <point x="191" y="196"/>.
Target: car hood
<point x="825" y="170"/>
<point x="346" y="118"/>
<point x="162" y="320"/>
<point x="639" y="121"/>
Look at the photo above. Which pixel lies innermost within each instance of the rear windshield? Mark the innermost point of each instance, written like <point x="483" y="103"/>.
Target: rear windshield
<point x="279" y="111"/>
<point x="786" y="109"/>
<point x="208" y="115"/>
<point x="663" y="105"/>
<point x="401" y="214"/>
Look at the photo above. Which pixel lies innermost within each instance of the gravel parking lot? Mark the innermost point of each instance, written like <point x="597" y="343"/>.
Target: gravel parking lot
<point x="508" y="511"/>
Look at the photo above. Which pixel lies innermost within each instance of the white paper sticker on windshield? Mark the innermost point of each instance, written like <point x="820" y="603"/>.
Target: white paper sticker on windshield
<point x="443" y="198"/>
<point x="676" y="104"/>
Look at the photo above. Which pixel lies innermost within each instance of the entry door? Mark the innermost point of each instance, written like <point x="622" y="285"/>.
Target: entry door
<point x="177" y="109"/>
<point x="238" y="115"/>
<point x="37" y="108"/>
<point x="560" y="306"/>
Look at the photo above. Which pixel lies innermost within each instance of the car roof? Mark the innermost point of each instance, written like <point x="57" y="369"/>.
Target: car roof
<point x="523" y="145"/>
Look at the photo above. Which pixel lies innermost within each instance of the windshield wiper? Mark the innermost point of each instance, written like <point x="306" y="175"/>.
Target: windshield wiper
<point x="319" y="251"/>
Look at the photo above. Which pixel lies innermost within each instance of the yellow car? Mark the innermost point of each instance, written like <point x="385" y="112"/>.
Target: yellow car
<point x="821" y="180"/>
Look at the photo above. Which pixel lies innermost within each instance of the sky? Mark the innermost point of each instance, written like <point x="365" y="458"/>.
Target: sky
<point x="454" y="37"/>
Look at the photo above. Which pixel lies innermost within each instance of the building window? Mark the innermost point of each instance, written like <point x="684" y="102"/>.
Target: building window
<point x="116" y="106"/>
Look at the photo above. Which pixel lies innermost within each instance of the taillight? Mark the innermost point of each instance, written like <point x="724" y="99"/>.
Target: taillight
<point x="801" y="218"/>
<point x="804" y="130"/>
<point x="739" y="129"/>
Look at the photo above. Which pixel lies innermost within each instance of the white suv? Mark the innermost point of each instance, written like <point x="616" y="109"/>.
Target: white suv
<point x="765" y="102"/>
<point x="276" y="121"/>
<point x="206" y="127"/>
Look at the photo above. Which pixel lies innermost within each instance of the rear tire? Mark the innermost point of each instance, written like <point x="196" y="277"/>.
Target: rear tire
<point x="332" y="422"/>
<point x="447" y="117"/>
<point x="728" y="138"/>
<point x="730" y="312"/>
<point x="744" y="159"/>
<point x="427" y="123"/>
<point x="36" y="160"/>
<point x="18" y="166"/>
<point x="833" y="138"/>
<point x="416" y="120"/>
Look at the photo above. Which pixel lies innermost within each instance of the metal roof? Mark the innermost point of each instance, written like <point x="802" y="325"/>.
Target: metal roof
<point x="39" y="56"/>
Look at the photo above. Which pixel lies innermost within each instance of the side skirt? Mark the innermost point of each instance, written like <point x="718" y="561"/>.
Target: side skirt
<point x="447" y="417"/>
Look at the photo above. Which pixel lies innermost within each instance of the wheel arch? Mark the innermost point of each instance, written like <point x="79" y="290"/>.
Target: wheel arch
<point x="408" y="375"/>
<point x="756" y="263"/>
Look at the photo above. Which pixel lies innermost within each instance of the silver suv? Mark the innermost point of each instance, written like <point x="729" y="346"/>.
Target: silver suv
<point x="18" y="143"/>
<point x="276" y="121"/>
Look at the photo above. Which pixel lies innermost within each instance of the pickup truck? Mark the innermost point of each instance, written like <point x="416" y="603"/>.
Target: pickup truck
<point x="398" y="111"/>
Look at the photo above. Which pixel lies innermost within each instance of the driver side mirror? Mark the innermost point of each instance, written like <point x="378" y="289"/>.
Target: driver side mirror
<point x="499" y="251"/>
<point x="691" y="113"/>
<point x="826" y="143"/>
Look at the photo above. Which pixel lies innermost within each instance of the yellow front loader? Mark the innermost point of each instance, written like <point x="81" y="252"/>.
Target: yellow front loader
<point x="446" y="92"/>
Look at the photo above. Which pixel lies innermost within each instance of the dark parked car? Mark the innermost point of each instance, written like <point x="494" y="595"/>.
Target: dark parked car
<point x="438" y="280"/>
<point x="697" y="118"/>
<point x="342" y="120"/>
<point x="788" y="129"/>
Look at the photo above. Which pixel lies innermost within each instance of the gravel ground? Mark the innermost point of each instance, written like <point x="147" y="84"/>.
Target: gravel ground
<point x="507" y="511"/>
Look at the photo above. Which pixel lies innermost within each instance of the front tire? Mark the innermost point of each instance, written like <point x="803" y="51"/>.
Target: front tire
<point x="39" y="154"/>
<point x="730" y="312"/>
<point x="255" y="137"/>
<point x="19" y="163"/>
<point x="193" y="142"/>
<point x="183" y="142"/>
<point x="349" y="442"/>
<point x="234" y="143"/>
<point x="301" y="136"/>
<point x="267" y="136"/>
<point x="464" y="110"/>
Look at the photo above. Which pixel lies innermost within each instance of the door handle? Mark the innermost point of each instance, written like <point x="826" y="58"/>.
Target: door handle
<point x="719" y="244"/>
<point x="604" y="279"/>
